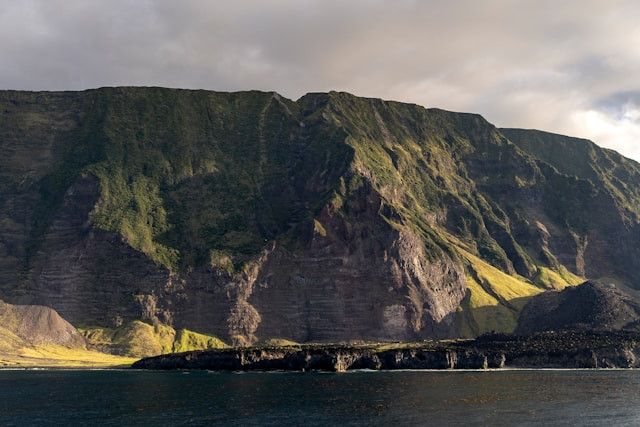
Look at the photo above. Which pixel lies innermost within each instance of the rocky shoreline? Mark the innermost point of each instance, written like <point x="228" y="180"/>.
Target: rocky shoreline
<point x="563" y="349"/>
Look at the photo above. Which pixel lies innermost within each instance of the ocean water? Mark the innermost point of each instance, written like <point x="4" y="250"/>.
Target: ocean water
<point x="496" y="398"/>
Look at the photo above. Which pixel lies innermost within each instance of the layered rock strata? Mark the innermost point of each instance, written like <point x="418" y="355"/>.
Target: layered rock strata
<point x="249" y="216"/>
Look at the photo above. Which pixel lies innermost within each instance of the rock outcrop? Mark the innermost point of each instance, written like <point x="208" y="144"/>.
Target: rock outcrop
<point x="589" y="306"/>
<point x="567" y="349"/>
<point x="325" y="358"/>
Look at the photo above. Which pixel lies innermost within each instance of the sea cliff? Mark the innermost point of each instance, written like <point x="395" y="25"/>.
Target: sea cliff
<point x="564" y="349"/>
<point x="134" y="212"/>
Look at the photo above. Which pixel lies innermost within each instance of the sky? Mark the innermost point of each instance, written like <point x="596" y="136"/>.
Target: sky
<point x="569" y="67"/>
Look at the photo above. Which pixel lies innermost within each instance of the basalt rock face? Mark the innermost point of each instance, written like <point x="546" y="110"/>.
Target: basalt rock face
<point x="566" y="349"/>
<point x="329" y="358"/>
<point x="331" y="218"/>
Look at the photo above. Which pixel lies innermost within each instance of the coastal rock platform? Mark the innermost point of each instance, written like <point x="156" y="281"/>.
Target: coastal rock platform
<point x="563" y="349"/>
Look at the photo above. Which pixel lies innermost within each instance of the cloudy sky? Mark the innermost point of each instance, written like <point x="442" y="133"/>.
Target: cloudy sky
<point x="571" y="67"/>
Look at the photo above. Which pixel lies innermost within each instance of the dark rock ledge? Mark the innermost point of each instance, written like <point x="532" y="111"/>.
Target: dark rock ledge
<point x="563" y="349"/>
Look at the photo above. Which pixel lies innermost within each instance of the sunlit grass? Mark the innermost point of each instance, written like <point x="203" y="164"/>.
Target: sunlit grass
<point x="550" y="279"/>
<point x="496" y="282"/>
<point x="186" y="340"/>
<point x="482" y="313"/>
<point x="135" y="340"/>
<point x="494" y="301"/>
<point x="61" y="357"/>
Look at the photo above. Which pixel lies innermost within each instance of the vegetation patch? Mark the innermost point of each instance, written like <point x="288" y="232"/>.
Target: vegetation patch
<point x="63" y="357"/>
<point x="494" y="300"/>
<point x="549" y="279"/>
<point x="186" y="340"/>
<point x="17" y="352"/>
<point x="276" y="342"/>
<point x="139" y="339"/>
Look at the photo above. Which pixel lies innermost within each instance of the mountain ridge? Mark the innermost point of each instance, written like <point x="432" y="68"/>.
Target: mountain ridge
<point x="247" y="215"/>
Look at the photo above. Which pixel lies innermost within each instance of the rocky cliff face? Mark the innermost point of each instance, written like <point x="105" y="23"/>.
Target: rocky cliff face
<point x="250" y="216"/>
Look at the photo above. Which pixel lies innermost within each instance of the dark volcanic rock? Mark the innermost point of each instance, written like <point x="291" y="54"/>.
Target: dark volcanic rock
<point x="567" y="349"/>
<point x="589" y="306"/>
<point x="326" y="358"/>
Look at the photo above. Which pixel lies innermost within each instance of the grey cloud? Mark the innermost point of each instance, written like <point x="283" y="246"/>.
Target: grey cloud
<point x="622" y="98"/>
<point x="618" y="105"/>
<point x="532" y="63"/>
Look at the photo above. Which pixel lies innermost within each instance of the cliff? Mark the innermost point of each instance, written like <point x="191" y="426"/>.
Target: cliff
<point x="249" y="216"/>
<point x="566" y="349"/>
<point x="21" y="326"/>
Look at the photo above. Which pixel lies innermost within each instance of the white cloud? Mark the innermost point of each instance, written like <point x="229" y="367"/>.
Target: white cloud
<point x="621" y="134"/>
<point x="532" y="63"/>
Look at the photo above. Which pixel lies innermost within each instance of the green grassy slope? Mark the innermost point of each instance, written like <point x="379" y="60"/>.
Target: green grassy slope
<point x="139" y="339"/>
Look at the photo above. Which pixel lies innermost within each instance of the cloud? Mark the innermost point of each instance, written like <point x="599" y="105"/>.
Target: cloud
<point x="557" y="66"/>
<point x="614" y="122"/>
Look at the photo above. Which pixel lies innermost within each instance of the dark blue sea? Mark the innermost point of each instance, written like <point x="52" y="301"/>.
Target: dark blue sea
<point x="495" y="398"/>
